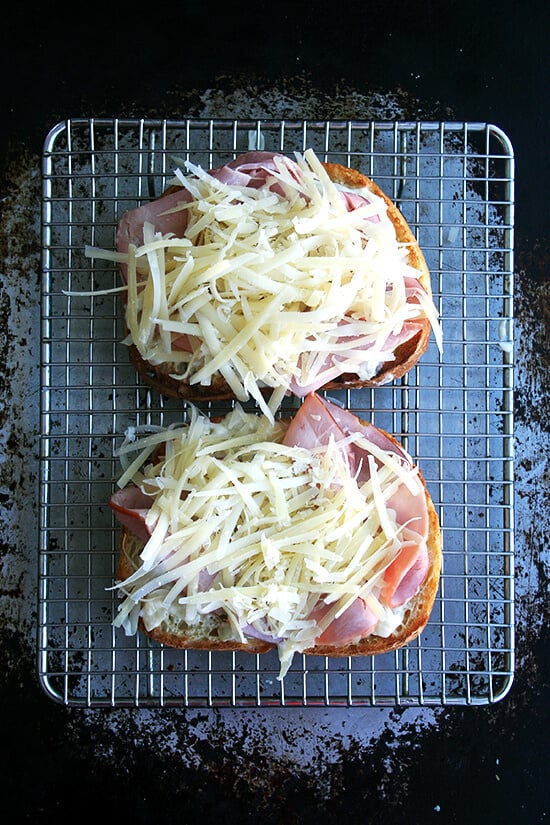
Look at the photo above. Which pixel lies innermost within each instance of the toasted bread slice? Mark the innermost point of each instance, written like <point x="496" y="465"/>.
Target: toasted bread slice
<point x="163" y="377"/>
<point x="214" y="632"/>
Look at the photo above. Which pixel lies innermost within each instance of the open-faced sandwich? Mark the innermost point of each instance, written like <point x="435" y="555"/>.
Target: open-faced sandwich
<point x="271" y="275"/>
<point x="314" y="534"/>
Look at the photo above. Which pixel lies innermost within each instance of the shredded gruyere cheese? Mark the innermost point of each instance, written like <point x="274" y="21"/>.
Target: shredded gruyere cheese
<point x="246" y="527"/>
<point x="262" y="281"/>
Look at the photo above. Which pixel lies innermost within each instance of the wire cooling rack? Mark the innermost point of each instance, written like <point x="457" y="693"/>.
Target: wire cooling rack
<point x="453" y="412"/>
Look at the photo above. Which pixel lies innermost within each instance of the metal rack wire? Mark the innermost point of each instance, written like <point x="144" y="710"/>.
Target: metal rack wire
<point x="454" y="413"/>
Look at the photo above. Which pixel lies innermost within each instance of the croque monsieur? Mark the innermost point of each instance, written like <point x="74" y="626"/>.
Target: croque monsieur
<point x="271" y="275"/>
<point x="312" y="534"/>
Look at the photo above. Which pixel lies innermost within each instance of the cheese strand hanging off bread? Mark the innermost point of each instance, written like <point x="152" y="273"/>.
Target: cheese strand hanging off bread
<point x="272" y="275"/>
<point x="312" y="534"/>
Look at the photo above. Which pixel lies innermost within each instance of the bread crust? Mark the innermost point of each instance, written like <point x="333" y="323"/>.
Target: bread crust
<point x="417" y="612"/>
<point x="406" y="355"/>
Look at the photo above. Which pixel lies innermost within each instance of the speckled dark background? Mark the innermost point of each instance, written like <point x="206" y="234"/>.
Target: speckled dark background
<point x="431" y="61"/>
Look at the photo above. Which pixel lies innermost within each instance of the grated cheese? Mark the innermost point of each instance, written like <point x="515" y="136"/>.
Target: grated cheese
<point x="264" y="280"/>
<point x="270" y="528"/>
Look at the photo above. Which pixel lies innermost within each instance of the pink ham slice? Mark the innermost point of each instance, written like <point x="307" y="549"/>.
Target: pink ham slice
<point x="313" y="426"/>
<point x="252" y="169"/>
<point x="332" y="367"/>
<point x="408" y="508"/>
<point x="131" y="506"/>
<point x="158" y="213"/>
<point x="356" y="622"/>
<point x="350" y="424"/>
<point x="354" y="201"/>
<point x="405" y="574"/>
<point x="318" y="419"/>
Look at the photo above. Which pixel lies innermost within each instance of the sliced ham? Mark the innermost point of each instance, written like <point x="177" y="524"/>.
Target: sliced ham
<point x="315" y="422"/>
<point x="249" y="169"/>
<point x="409" y="508"/>
<point x="351" y="424"/>
<point x="334" y="365"/>
<point x="158" y="213"/>
<point x="356" y="622"/>
<point x="131" y="506"/>
<point x="257" y="169"/>
<point x="313" y="427"/>
<point x="353" y="201"/>
<point x="405" y="574"/>
<point x="318" y="418"/>
<point x="184" y="342"/>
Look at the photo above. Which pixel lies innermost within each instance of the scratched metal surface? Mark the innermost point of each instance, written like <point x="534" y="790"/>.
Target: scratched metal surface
<point x="242" y="764"/>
